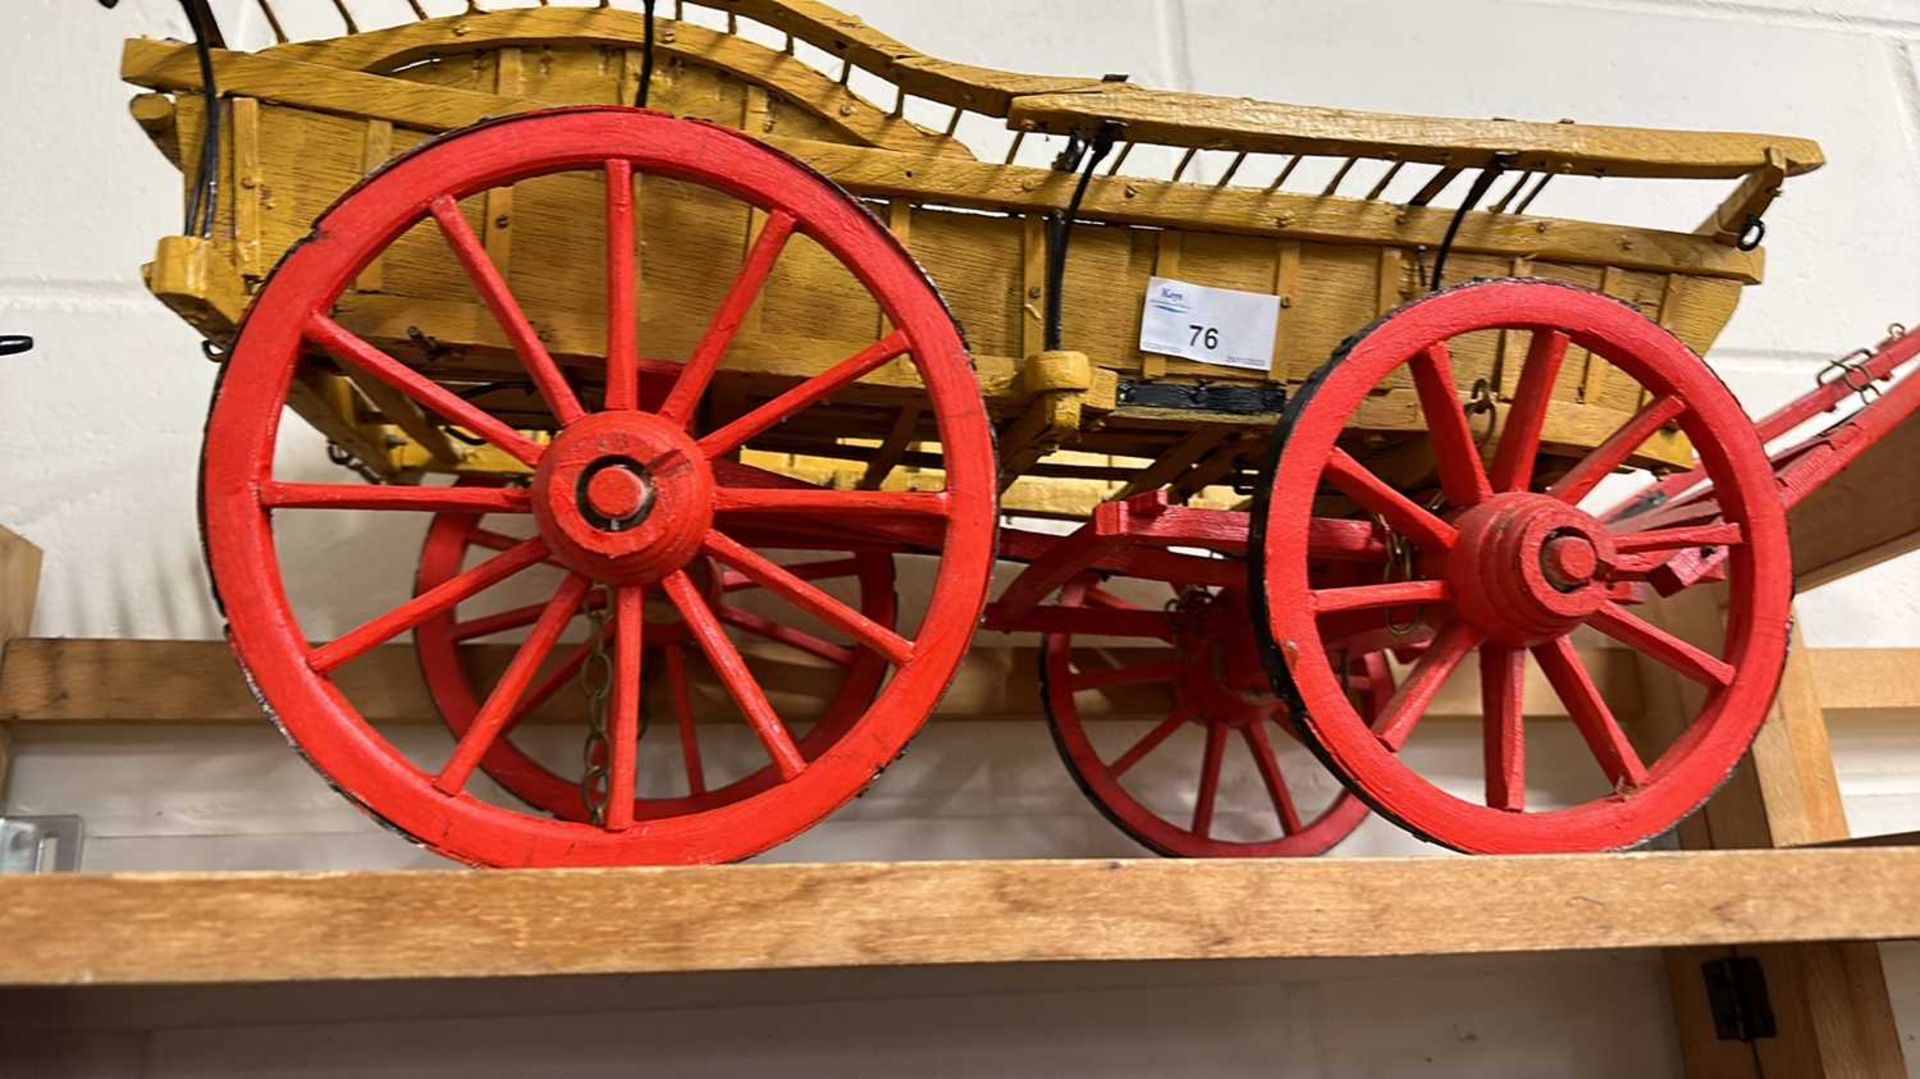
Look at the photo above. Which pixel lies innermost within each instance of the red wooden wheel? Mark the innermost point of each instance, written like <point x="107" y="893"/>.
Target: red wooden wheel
<point x="1506" y="568"/>
<point x="681" y="497"/>
<point x="667" y="646"/>
<point x="1203" y="650"/>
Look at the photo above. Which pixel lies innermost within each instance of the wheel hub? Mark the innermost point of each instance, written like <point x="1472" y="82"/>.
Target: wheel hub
<point x="1528" y="568"/>
<point x="623" y="497"/>
<point x="1219" y="677"/>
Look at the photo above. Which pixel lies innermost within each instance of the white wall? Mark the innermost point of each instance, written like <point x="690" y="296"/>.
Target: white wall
<point x="99" y="432"/>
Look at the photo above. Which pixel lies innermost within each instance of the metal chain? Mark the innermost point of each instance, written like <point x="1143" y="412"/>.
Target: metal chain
<point x="339" y="456"/>
<point x="1399" y="567"/>
<point x="596" y="681"/>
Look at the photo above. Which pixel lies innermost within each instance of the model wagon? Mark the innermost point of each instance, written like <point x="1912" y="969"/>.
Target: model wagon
<point x="700" y="338"/>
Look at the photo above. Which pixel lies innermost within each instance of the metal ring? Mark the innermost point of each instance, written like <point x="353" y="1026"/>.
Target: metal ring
<point x="1755" y="228"/>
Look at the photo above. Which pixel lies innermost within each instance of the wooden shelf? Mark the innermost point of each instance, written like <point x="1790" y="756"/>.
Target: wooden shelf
<point x="246" y="927"/>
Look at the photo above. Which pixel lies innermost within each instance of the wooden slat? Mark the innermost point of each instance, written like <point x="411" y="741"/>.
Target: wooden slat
<point x="249" y="180"/>
<point x="375" y="151"/>
<point x="496" y="213"/>
<point x="263" y="927"/>
<point x="1033" y="285"/>
<point x="1175" y="118"/>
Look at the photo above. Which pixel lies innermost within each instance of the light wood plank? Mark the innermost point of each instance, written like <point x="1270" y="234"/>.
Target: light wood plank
<point x="1176" y="118"/>
<point x="186" y="928"/>
<point x="19" y="590"/>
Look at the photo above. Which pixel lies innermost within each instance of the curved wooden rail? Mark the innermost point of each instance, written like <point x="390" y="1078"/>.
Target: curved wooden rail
<point x="378" y="52"/>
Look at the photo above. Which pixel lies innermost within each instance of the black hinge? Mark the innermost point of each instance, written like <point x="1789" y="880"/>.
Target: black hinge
<point x="1737" y="996"/>
<point x="1233" y="399"/>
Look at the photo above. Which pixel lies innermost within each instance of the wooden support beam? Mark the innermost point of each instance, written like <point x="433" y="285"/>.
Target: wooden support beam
<point x="66" y="929"/>
<point x="19" y="590"/>
<point x="71" y="681"/>
<point x="1830" y="999"/>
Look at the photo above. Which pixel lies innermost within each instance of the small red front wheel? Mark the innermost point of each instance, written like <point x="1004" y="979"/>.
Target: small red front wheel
<point x="1201" y="654"/>
<point x="1506" y="560"/>
<point x="640" y="485"/>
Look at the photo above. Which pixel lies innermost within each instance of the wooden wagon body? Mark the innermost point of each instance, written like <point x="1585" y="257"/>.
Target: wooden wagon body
<point x="304" y="122"/>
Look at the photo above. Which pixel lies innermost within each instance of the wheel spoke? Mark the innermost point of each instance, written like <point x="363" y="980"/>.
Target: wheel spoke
<point x="1370" y="596"/>
<point x="623" y="348"/>
<point x="683" y="716"/>
<point x="1209" y="791"/>
<point x="487" y="625"/>
<point x="442" y="597"/>
<point x="734" y="673"/>
<point x="1527" y="418"/>
<point x="504" y="701"/>
<point x="787" y="635"/>
<point x="1095" y="596"/>
<point x="804" y="396"/>
<point x="1269" y="764"/>
<point x="1409" y="702"/>
<point x="623" y="720"/>
<point x="1357" y="482"/>
<point x="821" y="501"/>
<point x="1147" y="744"/>
<point x="1503" y="703"/>
<point x="506" y="310"/>
<point x="774" y="578"/>
<point x="821" y="570"/>
<point x="1123" y="676"/>
<point x="494" y="541"/>
<point x="1094" y="621"/>
<point x="694" y="378"/>
<point x="1635" y="632"/>
<point x="1609" y="744"/>
<point x="1601" y="461"/>
<point x="366" y="496"/>
<point x="563" y="676"/>
<point x="351" y="350"/>
<point x="1725" y="534"/>
<point x="1462" y="476"/>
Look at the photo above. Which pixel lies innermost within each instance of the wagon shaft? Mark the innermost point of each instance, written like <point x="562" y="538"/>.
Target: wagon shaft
<point x="303" y="122"/>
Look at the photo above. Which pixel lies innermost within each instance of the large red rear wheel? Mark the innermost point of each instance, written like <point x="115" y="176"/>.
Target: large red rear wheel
<point x="1505" y="564"/>
<point x="625" y="498"/>
<point x="1200" y="651"/>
